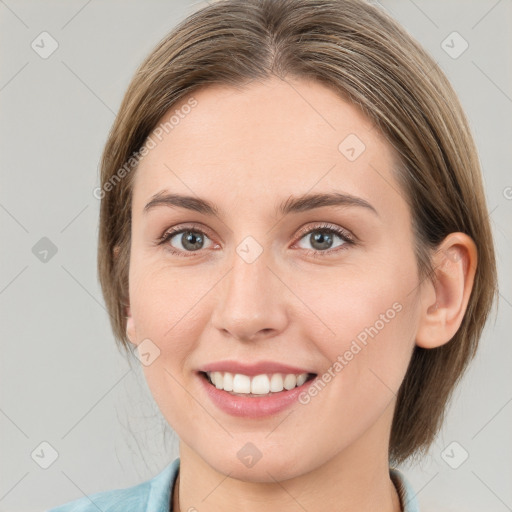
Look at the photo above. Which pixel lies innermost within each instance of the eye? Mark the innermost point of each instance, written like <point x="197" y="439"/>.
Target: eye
<point x="188" y="239"/>
<point x="321" y="239"/>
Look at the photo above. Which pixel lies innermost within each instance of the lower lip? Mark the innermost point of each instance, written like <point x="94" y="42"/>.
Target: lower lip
<point x="253" y="407"/>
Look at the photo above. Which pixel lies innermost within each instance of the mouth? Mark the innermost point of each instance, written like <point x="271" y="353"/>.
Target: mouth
<point x="256" y="386"/>
<point x="254" y="389"/>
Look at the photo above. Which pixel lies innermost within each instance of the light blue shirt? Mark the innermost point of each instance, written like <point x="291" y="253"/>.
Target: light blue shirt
<point x="155" y="495"/>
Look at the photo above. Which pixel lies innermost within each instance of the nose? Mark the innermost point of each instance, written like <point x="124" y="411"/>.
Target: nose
<point x="251" y="301"/>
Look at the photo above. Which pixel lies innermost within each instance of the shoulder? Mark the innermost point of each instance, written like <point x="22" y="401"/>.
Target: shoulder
<point x="151" y="495"/>
<point x="131" y="498"/>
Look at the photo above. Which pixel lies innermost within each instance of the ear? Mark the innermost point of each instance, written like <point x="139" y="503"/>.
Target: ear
<point x="130" y="326"/>
<point x="444" y="303"/>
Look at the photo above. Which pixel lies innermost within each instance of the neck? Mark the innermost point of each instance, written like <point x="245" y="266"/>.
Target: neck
<point x="355" y="479"/>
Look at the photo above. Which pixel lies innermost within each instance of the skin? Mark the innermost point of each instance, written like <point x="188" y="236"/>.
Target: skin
<point x="246" y="151"/>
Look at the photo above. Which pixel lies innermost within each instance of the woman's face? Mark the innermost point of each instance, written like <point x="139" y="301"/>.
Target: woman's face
<point x="265" y="285"/>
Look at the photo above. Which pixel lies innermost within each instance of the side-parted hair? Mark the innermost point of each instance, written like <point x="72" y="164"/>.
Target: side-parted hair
<point x="365" y="56"/>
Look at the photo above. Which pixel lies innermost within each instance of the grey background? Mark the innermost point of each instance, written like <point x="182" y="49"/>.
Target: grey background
<point x="63" y="380"/>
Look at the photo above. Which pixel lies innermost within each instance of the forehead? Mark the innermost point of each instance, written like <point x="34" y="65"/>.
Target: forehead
<point x="266" y="141"/>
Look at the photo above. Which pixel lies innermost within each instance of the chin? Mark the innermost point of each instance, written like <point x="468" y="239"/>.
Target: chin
<point x="268" y="465"/>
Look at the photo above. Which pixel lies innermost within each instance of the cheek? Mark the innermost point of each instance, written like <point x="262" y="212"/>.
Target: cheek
<point x="165" y="311"/>
<point x="365" y="319"/>
<point x="164" y="303"/>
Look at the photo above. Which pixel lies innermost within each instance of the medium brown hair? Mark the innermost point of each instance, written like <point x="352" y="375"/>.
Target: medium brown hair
<point x="369" y="60"/>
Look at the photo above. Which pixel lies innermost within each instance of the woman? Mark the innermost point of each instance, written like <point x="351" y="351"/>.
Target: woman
<point x="294" y="236"/>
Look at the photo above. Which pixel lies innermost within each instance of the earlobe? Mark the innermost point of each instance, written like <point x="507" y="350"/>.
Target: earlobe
<point x="444" y="302"/>
<point x="130" y="326"/>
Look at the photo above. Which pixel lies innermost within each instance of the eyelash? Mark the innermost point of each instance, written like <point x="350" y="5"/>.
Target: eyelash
<point x="325" y="227"/>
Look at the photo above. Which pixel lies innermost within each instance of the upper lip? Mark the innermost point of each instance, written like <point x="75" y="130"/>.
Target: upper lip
<point x="252" y="369"/>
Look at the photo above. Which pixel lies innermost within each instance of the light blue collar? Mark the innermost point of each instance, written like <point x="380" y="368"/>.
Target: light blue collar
<point x="405" y="491"/>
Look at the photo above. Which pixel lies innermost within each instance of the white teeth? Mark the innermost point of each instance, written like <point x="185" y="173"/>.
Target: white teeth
<point x="228" y="382"/>
<point x="218" y="379"/>
<point x="258" y="385"/>
<point x="241" y="383"/>
<point x="290" y="381"/>
<point x="300" y="379"/>
<point x="276" y="383"/>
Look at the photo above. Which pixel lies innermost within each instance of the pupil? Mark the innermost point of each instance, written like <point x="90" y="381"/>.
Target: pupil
<point x="190" y="240"/>
<point x="321" y="238"/>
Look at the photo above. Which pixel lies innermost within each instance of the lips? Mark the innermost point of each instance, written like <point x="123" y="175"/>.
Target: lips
<point x="252" y="369"/>
<point x="254" y="390"/>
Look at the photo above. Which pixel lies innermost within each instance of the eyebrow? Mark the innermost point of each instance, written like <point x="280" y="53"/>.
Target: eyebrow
<point x="291" y="205"/>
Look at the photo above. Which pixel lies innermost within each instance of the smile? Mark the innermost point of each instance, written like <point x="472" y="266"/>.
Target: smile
<point x="255" y="396"/>
<point x="258" y="385"/>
